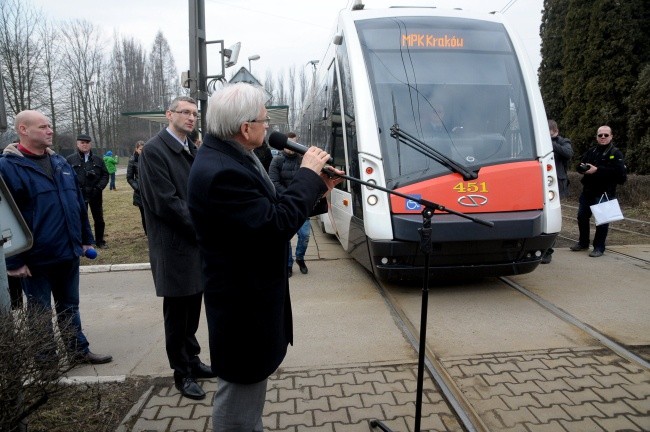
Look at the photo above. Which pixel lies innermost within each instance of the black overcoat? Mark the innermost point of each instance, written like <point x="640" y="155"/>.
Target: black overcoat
<point x="164" y="168"/>
<point x="243" y="228"/>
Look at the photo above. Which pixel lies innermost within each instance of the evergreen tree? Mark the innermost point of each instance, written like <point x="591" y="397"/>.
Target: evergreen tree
<point x="638" y="156"/>
<point x="551" y="71"/>
<point x="601" y="62"/>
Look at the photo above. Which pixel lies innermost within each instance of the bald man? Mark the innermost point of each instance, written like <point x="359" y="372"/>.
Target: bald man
<point x="48" y="196"/>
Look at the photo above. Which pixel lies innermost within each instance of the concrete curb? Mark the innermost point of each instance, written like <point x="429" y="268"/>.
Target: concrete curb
<point x="113" y="267"/>
<point x="135" y="410"/>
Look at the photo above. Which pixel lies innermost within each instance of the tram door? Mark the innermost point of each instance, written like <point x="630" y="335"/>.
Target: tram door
<point x="340" y="198"/>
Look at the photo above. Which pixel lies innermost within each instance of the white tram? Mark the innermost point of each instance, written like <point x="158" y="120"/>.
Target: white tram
<point x="457" y="85"/>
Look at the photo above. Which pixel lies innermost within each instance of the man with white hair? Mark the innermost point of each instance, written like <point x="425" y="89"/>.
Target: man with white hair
<point x="243" y="229"/>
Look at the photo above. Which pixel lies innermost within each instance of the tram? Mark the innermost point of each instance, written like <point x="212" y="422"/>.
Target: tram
<point x="442" y="106"/>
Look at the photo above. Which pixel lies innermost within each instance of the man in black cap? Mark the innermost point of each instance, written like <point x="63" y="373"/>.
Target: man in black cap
<point x="93" y="178"/>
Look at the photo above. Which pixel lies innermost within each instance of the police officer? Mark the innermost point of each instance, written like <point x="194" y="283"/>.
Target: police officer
<point x="93" y="178"/>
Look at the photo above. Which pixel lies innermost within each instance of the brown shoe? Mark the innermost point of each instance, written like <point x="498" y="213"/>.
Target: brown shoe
<point x="92" y="358"/>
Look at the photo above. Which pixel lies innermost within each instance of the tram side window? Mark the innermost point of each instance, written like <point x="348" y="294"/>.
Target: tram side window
<point x="350" y="129"/>
<point x="334" y="123"/>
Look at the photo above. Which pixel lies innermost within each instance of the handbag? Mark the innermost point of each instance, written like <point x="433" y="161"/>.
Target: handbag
<point x="606" y="211"/>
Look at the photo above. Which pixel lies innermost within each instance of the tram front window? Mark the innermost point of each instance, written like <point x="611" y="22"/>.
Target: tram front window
<point x="453" y="84"/>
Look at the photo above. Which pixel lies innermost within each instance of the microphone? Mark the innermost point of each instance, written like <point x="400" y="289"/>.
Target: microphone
<point x="90" y="253"/>
<point x="280" y="141"/>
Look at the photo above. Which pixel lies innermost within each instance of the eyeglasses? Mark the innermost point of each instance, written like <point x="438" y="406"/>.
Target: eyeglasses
<point x="187" y="113"/>
<point x="603" y="135"/>
<point x="266" y="120"/>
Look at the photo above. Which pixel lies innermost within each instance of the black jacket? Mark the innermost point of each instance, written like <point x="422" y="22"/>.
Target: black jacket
<point x="243" y="229"/>
<point x="611" y="169"/>
<point x="563" y="153"/>
<point x="164" y="167"/>
<point x="132" y="177"/>
<point x="283" y="169"/>
<point x="92" y="174"/>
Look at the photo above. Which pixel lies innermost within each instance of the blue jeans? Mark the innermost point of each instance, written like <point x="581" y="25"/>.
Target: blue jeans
<point x="112" y="183"/>
<point x="584" y="214"/>
<point x="61" y="281"/>
<point x="303" y="241"/>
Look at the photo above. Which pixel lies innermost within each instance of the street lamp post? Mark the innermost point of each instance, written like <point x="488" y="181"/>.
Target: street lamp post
<point x="312" y="122"/>
<point x="252" y="58"/>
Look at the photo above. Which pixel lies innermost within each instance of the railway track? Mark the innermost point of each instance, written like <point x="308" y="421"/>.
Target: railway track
<point x="468" y="416"/>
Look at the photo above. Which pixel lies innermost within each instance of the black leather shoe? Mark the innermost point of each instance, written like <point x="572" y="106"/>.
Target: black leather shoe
<point x="578" y="247"/>
<point x="201" y="370"/>
<point x="303" y="266"/>
<point x="92" y="358"/>
<point x="189" y="388"/>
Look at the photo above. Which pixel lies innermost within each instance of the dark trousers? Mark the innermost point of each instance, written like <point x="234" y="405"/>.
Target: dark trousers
<point x="584" y="214"/>
<point x="144" y="224"/>
<point x="97" y="210"/>
<point x="61" y="281"/>
<point x="181" y="322"/>
<point x="15" y="292"/>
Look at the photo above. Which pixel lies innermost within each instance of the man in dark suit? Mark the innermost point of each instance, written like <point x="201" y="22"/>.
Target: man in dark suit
<point x="164" y="168"/>
<point x="243" y="228"/>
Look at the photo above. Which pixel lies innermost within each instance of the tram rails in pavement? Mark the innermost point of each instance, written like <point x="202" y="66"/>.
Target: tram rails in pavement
<point x="467" y="415"/>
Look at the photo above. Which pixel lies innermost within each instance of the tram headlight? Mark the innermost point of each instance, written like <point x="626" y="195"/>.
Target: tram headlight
<point x="371" y="181"/>
<point x="551" y="195"/>
<point x="550" y="180"/>
<point x="372" y="200"/>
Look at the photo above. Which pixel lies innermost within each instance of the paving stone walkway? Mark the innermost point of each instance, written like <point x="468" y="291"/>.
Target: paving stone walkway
<point x="566" y="390"/>
<point x="342" y="399"/>
<point x="589" y="389"/>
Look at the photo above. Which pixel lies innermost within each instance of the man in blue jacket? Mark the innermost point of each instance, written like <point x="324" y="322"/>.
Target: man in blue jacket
<point x="47" y="193"/>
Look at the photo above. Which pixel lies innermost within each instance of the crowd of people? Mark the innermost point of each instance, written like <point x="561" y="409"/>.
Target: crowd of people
<point x="203" y="201"/>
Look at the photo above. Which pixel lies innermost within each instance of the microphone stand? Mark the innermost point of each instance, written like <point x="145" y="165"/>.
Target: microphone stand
<point x="425" y="246"/>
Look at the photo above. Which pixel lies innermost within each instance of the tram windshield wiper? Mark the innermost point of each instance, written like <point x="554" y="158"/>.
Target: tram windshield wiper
<point x="420" y="147"/>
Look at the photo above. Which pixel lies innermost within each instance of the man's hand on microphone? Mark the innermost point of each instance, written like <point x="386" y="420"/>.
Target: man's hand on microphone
<point x="315" y="159"/>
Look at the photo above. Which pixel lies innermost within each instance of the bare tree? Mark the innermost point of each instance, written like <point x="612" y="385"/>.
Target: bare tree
<point x="82" y="57"/>
<point x="303" y="84"/>
<point x="50" y="69"/>
<point x="269" y="86"/>
<point x="20" y="54"/>
<point x="32" y="361"/>
<point x="131" y="91"/>
<point x="163" y="73"/>
<point x="292" y="97"/>
<point x="280" y="90"/>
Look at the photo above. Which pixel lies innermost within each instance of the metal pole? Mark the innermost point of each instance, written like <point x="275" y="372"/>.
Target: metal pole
<point x="5" y="299"/>
<point x="198" y="63"/>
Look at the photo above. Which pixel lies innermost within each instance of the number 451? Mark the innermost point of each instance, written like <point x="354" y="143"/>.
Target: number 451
<point x="471" y="187"/>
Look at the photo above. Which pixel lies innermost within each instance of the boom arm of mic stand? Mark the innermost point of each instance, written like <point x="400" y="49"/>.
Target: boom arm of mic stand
<point x="428" y="204"/>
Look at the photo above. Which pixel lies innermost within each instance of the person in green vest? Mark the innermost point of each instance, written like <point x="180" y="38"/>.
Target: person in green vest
<point x="111" y="165"/>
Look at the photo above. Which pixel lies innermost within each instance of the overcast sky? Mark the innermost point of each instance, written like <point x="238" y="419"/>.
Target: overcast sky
<point x="282" y="32"/>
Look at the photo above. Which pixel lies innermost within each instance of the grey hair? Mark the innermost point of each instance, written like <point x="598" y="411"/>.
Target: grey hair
<point x="174" y="104"/>
<point x="231" y="106"/>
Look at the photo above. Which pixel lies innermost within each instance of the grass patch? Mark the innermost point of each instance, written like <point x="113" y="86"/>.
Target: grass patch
<point x="89" y="407"/>
<point x="124" y="235"/>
